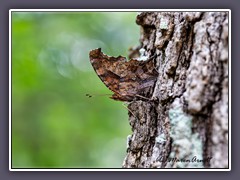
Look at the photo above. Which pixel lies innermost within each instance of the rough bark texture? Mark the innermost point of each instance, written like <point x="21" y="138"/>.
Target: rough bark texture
<point x="185" y="125"/>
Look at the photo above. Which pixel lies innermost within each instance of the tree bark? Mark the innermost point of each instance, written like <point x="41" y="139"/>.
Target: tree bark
<point x="185" y="124"/>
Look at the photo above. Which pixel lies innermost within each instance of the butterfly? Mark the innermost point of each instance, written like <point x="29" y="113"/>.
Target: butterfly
<point x="128" y="80"/>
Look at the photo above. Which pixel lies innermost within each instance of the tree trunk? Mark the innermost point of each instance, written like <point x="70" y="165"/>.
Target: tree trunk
<point x="185" y="124"/>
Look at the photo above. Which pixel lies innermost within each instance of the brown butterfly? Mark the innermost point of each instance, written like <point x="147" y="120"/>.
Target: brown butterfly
<point x="127" y="79"/>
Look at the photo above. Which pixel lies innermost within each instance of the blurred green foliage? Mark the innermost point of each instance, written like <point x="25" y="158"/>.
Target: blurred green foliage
<point x="54" y="125"/>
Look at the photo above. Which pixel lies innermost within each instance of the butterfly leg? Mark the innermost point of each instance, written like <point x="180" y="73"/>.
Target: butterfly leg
<point x="143" y="97"/>
<point x="123" y="104"/>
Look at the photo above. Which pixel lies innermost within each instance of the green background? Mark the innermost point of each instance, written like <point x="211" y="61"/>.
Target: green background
<point x="54" y="125"/>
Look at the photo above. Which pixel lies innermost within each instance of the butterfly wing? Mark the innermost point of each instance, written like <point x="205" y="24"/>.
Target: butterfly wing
<point x="124" y="78"/>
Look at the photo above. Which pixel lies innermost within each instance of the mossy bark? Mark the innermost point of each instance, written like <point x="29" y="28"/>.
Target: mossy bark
<point x="187" y="116"/>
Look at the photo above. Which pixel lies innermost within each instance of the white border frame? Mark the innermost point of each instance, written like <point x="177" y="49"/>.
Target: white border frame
<point x="114" y="10"/>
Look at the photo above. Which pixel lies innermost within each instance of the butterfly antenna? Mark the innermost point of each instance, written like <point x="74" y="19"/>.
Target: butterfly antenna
<point x="92" y="95"/>
<point x="88" y="95"/>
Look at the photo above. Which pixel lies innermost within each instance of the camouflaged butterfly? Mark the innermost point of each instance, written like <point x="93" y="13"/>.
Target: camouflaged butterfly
<point x="127" y="79"/>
